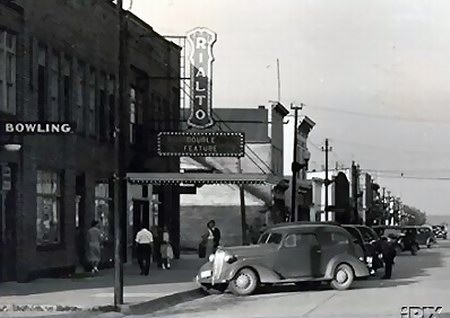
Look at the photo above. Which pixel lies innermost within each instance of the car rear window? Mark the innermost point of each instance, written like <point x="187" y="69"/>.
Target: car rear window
<point x="334" y="238"/>
<point x="300" y="239"/>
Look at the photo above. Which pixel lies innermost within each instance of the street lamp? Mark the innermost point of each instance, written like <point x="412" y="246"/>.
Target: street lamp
<point x="10" y="147"/>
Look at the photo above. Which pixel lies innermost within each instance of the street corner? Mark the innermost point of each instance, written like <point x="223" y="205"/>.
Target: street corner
<point x="163" y="303"/>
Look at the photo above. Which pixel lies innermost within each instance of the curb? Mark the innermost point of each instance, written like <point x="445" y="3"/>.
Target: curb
<point x="131" y="309"/>
<point x="38" y="308"/>
<point x="163" y="302"/>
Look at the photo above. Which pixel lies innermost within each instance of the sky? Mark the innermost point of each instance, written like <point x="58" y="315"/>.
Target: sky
<point x="374" y="76"/>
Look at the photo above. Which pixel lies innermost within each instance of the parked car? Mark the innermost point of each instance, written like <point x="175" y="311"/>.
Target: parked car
<point x="287" y="253"/>
<point x="440" y="231"/>
<point x="404" y="238"/>
<point x="425" y="236"/>
<point x="371" y="238"/>
<point x="368" y="248"/>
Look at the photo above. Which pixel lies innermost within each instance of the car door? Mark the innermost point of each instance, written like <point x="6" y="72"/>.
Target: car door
<point x="298" y="255"/>
<point x="332" y="243"/>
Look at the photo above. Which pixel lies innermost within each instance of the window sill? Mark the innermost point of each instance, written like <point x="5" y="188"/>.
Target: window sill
<point x="51" y="247"/>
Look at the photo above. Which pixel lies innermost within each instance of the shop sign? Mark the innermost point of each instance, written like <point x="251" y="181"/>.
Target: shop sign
<point x="201" y="42"/>
<point x="201" y="144"/>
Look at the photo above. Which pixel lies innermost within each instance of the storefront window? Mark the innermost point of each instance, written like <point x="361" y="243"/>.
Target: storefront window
<point x="48" y="226"/>
<point x="103" y="212"/>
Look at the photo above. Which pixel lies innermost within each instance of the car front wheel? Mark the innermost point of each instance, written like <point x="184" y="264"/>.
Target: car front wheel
<point x="343" y="277"/>
<point x="244" y="283"/>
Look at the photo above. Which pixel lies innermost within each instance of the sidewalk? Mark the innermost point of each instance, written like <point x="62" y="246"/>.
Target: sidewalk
<point x="93" y="291"/>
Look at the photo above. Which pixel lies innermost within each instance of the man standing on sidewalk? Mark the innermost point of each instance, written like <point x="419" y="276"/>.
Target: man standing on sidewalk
<point x="144" y="240"/>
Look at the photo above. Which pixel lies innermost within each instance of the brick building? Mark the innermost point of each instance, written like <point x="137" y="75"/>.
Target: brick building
<point x="55" y="68"/>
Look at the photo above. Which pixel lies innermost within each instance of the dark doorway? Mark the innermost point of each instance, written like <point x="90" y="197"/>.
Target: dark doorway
<point x="141" y="217"/>
<point x="80" y="217"/>
<point x="8" y="235"/>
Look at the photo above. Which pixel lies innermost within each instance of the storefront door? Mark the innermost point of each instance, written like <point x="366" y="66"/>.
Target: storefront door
<point x="141" y="217"/>
<point x="80" y="218"/>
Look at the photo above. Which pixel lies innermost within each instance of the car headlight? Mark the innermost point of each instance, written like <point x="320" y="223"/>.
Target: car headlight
<point x="230" y="259"/>
<point x="361" y="259"/>
<point x="211" y="257"/>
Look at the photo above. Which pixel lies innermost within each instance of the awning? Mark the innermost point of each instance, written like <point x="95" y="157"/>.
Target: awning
<point x="170" y="178"/>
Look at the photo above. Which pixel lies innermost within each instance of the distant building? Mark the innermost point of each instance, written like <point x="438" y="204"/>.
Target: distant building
<point x="351" y="195"/>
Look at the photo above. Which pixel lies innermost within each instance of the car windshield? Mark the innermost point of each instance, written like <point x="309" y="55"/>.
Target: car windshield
<point x="270" y="238"/>
<point x="354" y="232"/>
<point x="367" y="234"/>
<point x="392" y="232"/>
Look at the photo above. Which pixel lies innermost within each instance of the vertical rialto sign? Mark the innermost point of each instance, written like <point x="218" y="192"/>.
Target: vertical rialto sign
<point x="201" y="41"/>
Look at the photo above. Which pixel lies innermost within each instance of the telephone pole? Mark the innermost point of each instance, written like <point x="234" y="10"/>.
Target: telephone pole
<point x="326" y="149"/>
<point x="293" y="216"/>
<point x="243" y="212"/>
<point x="120" y="172"/>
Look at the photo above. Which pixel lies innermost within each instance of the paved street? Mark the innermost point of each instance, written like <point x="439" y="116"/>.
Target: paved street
<point x="421" y="280"/>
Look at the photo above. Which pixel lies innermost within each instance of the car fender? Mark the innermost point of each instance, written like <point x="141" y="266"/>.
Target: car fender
<point x="360" y="269"/>
<point x="206" y="267"/>
<point x="265" y="274"/>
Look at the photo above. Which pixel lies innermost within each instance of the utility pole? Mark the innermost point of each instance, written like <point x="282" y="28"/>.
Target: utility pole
<point x="383" y="207"/>
<point x="326" y="149"/>
<point x="243" y="212"/>
<point x="279" y="81"/>
<point x="389" y="207"/>
<point x="120" y="174"/>
<point x="293" y="216"/>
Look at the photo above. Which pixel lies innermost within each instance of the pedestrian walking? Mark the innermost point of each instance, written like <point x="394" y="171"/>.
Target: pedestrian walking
<point x="144" y="240"/>
<point x="166" y="249"/>
<point x="158" y="238"/>
<point x="387" y="249"/>
<point x="94" y="243"/>
<point x="211" y="238"/>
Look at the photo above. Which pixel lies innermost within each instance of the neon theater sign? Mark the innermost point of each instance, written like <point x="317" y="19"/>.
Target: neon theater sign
<point x="201" y="42"/>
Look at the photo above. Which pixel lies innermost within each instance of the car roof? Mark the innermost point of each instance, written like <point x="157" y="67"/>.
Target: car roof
<point x="315" y="225"/>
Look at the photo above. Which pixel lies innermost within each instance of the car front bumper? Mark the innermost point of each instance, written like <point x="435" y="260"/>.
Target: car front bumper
<point x="205" y="276"/>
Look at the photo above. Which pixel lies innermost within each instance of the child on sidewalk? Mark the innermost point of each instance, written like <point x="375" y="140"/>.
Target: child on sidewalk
<point x="166" y="249"/>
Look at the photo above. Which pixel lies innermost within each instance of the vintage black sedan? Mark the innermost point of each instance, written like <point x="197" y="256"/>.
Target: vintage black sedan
<point x="404" y="237"/>
<point x="287" y="253"/>
<point x="424" y="235"/>
<point x="370" y="239"/>
<point x="440" y="231"/>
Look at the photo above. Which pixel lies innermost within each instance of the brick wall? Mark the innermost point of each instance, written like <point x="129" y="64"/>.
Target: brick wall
<point x="84" y="31"/>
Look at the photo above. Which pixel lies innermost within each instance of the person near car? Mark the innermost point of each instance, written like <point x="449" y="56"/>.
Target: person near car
<point x="410" y="238"/>
<point x="94" y="246"/>
<point x="166" y="249"/>
<point x="387" y="249"/>
<point x="211" y="238"/>
<point x="144" y="241"/>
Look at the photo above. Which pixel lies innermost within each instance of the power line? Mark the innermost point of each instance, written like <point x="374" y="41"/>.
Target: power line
<point x="246" y="145"/>
<point x="371" y="146"/>
<point x="415" y="178"/>
<point x="380" y="116"/>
